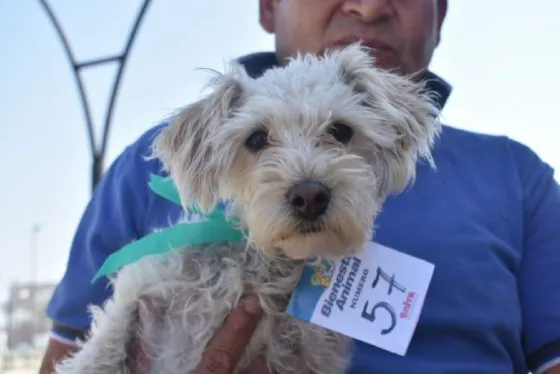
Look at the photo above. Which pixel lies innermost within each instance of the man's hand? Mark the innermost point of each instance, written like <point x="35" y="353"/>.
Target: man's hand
<point x="226" y="347"/>
<point x="553" y="370"/>
<point x="55" y="352"/>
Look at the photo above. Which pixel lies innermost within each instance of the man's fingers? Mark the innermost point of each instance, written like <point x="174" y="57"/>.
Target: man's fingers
<point x="229" y="343"/>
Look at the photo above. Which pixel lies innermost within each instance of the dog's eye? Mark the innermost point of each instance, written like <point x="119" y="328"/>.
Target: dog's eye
<point x="341" y="132"/>
<point x="257" y="141"/>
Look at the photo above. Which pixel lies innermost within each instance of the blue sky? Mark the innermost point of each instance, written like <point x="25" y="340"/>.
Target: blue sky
<point x="502" y="59"/>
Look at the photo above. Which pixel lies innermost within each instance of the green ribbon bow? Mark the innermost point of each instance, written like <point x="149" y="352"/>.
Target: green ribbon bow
<point x="214" y="229"/>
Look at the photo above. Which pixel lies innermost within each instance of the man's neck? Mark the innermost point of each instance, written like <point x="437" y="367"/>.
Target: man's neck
<point x="257" y="63"/>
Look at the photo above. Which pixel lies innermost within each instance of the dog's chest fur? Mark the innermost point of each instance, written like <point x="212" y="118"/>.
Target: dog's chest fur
<point x="186" y="297"/>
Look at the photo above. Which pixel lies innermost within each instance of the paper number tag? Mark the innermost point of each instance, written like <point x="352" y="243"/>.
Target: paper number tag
<point x="375" y="297"/>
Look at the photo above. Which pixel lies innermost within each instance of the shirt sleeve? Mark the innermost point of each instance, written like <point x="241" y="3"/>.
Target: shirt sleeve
<point x="113" y="218"/>
<point x="539" y="276"/>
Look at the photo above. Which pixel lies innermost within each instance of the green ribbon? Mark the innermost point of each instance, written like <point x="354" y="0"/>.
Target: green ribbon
<point x="165" y="188"/>
<point x="214" y="229"/>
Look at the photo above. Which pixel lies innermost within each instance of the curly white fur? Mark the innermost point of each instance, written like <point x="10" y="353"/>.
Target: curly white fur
<point x="174" y="303"/>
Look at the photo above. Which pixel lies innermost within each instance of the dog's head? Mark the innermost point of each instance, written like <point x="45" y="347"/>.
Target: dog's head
<point x="307" y="153"/>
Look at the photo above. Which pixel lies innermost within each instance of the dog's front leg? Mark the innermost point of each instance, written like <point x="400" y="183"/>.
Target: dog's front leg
<point x="137" y="360"/>
<point x="105" y="349"/>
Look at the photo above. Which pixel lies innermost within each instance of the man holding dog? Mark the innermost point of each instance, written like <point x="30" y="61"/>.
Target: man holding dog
<point x="488" y="221"/>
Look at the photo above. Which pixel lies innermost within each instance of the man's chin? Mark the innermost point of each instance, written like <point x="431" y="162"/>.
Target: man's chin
<point x="384" y="58"/>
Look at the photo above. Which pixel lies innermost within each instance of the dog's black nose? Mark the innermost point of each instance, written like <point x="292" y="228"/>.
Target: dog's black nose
<point x="310" y="199"/>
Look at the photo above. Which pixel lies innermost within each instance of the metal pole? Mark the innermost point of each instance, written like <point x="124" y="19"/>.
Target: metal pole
<point x="35" y="229"/>
<point x="10" y="318"/>
<point x="97" y="152"/>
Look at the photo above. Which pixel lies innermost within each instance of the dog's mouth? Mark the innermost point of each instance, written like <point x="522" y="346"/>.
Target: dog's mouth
<point x="309" y="228"/>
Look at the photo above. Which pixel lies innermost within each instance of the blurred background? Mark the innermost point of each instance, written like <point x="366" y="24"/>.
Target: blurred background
<point x="501" y="57"/>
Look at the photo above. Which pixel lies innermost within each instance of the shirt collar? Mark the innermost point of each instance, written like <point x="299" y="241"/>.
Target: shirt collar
<point x="257" y="63"/>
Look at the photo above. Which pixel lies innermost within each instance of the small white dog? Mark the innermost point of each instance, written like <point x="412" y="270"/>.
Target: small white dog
<point x="306" y="155"/>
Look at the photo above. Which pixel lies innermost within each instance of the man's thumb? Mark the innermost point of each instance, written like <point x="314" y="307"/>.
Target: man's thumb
<point x="229" y="343"/>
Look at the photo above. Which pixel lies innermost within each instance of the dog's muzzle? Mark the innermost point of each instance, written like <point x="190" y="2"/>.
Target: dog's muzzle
<point x="309" y="199"/>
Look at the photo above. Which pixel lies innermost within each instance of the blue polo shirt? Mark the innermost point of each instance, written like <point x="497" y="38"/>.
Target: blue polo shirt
<point x="488" y="218"/>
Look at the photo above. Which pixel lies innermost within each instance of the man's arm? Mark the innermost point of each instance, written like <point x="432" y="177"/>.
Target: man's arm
<point x="113" y="217"/>
<point x="539" y="274"/>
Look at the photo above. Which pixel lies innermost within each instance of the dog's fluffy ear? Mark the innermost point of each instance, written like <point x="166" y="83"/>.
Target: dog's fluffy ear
<point x="403" y="107"/>
<point x="185" y="146"/>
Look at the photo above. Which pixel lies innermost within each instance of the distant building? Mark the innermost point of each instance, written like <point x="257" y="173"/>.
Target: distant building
<point x="26" y="323"/>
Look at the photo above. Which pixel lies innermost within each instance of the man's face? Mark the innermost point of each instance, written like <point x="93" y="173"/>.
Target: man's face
<point x="402" y="33"/>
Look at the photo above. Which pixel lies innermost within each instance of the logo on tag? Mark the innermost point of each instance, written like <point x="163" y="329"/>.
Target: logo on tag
<point x="375" y="296"/>
<point x="323" y="274"/>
